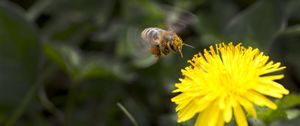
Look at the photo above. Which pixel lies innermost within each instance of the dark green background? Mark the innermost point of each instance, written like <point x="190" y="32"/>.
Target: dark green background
<point x="69" y="62"/>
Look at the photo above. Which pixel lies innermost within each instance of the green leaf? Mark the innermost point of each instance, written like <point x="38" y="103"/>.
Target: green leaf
<point x="269" y="115"/>
<point x="80" y="68"/>
<point x="213" y="21"/>
<point x="74" y="21"/>
<point x="68" y="27"/>
<point x="66" y="57"/>
<point x="282" y="112"/>
<point x="101" y="67"/>
<point x="36" y="9"/>
<point x="286" y="50"/>
<point x="257" y="24"/>
<point x="290" y="101"/>
<point x="292" y="122"/>
<point x="292" y="113"/>
<point x="291" y="8"/>
<point x="19" y="50"/>
<point x="292" y="30"/>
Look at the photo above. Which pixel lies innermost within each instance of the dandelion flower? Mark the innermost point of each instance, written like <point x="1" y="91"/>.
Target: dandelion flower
<point x="225" y="81"/>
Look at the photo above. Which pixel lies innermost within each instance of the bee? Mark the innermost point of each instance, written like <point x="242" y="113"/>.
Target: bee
<point x="162" y="42"/>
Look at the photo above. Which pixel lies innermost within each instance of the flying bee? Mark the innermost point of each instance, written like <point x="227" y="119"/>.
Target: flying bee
<point x="162" y="42"/>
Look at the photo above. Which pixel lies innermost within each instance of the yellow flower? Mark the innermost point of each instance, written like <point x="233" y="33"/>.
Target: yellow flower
<point x="226" y="81"/>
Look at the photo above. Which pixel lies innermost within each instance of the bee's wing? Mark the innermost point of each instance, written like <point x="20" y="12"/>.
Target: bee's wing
<point x="140" y="48"/>
<point x="178" y="19"/>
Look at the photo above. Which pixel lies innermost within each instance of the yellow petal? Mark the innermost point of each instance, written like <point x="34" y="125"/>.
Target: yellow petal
<point x="209" y="117"/>
<point x="260" y="100"/>
<point x="248" y="106"/>
<point x="271" y="77"/>
<point x="227" y="111"/>
<point x="220" y="121"/>
<point x="272" y="86"/>
<point x="271" y="70"/>
<point x="215" y="112"/>
<point x="201" y="119"/>
<point x="187" y="112"/>
<point x="271" y="90"/>
<point x="239" y="115"/>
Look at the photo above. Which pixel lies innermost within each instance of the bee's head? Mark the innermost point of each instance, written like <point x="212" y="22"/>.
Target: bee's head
<point x="176" y="44"/>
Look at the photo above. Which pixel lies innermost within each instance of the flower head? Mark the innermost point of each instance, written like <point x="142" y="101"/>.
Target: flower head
<point x="224" y="82"/>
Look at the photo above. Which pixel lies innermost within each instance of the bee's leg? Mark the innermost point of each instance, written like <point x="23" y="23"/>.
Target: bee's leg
<point x="164" y="47"/>
<point x="155" y="51"/>
<point x="166" y="50"/>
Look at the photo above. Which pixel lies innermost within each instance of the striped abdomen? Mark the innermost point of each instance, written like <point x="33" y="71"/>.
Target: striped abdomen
<point x="152" y="34"/>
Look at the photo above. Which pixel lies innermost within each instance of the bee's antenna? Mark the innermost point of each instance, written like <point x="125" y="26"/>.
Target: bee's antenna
<point x="188" y="45"/>
<point x="181" y="54"/>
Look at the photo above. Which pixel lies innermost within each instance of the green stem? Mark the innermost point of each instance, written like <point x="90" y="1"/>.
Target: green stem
<point x="24" y="103"/>
<point x="43" y="98"/>
<point x="29" y="95"/>
<point x="37" y="8"/>
<point x="127" y="114"/>
<point x="47" y="104"/>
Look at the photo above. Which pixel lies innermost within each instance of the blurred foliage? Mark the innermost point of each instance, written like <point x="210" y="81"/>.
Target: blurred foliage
<point x="285" y="110"/>
<point x="69" y="62"/>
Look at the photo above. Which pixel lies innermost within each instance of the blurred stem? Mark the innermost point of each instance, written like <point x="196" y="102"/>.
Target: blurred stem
<point x="43" y="98"/>
<point x="36" y="9"/>
<point x="127" y="114"/>
<point x="49" y="105"/>
<point x="30" y="94"/>
<point x="24" y="103"/>
<point x="69" y="108"/>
